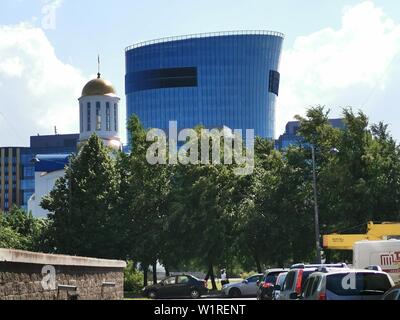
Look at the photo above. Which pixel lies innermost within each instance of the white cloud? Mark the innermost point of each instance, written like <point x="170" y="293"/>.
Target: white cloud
<point x="38" y="90"/>
<point x="348" y="66"/>
<point x="54" y="3"/>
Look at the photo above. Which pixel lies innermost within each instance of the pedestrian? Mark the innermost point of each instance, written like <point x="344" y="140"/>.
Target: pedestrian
<point x="224" y="277"/>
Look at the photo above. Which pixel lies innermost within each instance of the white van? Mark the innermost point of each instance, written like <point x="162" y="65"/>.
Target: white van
<point x="383" y="253"/>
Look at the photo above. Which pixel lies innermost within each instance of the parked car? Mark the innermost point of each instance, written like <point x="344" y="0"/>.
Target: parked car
<point x="179" y="286"/>
<point x="267" y="284"/>
<point x="352" y="284"/>
<point x="278" y="286"/>
<point x="247" y="287"/>
<point x="392" y="294"/>
<point x="297" y="276"/>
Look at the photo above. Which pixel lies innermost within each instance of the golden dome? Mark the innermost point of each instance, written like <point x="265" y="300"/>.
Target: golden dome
<point x="98" y="87"/>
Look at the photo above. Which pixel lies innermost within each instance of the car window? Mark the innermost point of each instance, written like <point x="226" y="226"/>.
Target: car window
<point x="170" y="280"/>
<point x="183" y="279"/>
<point x="288" y="285"/>
<point x="371" y="283"/>
<point x="334" y="283"/>
<point x="306" y="274"/>
<point x="307" y="287"/>
<point x="392" y="296"/>
<point x="315" y="285"/>
<point x="253" y="279"/>
<point x="378" y="282"/>
<point x="281" y="279"/>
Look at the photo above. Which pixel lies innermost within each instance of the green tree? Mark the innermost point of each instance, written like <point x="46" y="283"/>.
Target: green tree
<point x="361" y="182"/>
<point x="20" y="230"/>
<point x="142" y="202"/>
<point x="83" y="202"/>
<point x="201" y="215"/>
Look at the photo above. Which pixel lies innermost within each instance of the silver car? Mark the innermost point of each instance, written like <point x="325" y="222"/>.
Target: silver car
<point x="347" y="285"/>
<point x="246" y="288"/>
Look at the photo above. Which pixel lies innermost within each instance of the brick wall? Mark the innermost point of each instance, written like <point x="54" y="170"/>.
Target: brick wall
<point x="23" y="280"/>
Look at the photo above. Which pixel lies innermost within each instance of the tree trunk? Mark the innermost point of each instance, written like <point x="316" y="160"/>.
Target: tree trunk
<point x="155" y="272"/>
<point x="258" y="264"/>
<point x="145" y="279"/>
<point x="167" y="274"/>
<point x="211" y="275"/>
<point x="328" y="255"/>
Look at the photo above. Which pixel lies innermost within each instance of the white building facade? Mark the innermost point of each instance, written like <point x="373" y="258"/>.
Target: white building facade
<point x="98" y="114"/>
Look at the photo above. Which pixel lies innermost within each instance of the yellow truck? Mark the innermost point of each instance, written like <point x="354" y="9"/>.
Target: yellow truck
<point x="382" y="231"/>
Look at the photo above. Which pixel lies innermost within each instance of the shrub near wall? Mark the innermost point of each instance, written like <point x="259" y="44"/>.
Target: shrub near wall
<point x="133" y="279"/>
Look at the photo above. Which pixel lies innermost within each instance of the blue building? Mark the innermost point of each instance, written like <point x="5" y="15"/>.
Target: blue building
<point x="219" y="79"/>
<point x="17" y="167"/>
<point x="54" y="144"/>
<point x="291" y="137"/>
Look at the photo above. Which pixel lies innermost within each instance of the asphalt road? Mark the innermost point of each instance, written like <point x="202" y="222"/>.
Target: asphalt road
<point x="216" y="298"/>
<point x="226" y="299"/>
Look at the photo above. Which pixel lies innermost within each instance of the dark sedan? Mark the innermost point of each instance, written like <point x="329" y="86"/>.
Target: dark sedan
<point x="181" y="286"/>
<point x="393" y="294"/>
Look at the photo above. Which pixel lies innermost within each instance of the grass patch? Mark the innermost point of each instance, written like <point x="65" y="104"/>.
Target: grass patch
<point x="133" y="296"/>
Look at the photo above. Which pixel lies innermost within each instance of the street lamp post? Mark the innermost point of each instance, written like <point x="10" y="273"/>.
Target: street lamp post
<point x="316" y="213"/>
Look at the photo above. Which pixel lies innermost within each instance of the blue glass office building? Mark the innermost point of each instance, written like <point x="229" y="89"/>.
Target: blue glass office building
<point x="291" y="137"/>
<point x="17" y="168"/>
<point x="220" y="79"/>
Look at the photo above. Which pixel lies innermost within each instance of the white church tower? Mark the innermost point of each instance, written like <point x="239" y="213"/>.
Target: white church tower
<point x="98" y="113"/>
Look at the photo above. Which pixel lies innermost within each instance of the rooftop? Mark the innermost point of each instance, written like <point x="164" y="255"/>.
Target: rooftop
<point x="207" y="35"/>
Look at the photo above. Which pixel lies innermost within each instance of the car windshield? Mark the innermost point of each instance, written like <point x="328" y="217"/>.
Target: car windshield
<point x="365" y="284"/>
<point x="271" y="277"/>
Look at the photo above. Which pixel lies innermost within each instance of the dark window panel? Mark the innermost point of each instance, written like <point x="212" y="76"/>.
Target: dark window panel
<point x="274" y="80"/>
<point x="161" y="78"/>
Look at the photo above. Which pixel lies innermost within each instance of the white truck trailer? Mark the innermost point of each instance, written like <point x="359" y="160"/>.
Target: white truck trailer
<point x="383" y="253"/>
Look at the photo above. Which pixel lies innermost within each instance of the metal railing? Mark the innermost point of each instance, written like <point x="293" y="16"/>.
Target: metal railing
<point x="206" y="35"/>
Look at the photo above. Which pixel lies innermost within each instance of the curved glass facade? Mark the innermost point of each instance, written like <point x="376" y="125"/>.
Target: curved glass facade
<point x="223" y="79"/>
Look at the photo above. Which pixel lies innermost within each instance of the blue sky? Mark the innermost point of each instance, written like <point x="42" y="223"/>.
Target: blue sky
<point x="336" y="53"/>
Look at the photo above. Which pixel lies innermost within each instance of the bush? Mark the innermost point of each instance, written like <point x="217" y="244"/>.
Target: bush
<point x="245" y="275"/>
<point x="133" y="279"/>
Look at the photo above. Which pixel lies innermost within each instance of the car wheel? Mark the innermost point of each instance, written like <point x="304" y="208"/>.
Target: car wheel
<point x="152" y="295"/>
<point x="235" y="293"/>
<point x="194" y="294"/>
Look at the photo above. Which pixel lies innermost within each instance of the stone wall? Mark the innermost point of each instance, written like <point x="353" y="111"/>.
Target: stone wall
<point x="23" y="277"/>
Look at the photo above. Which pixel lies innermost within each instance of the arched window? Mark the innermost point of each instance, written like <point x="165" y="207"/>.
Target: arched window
<point x="115" y="116"/>
<point x="81" y="116"/>
<point x="98" y="116"/>
<point x="108" y="117"/>
<point x="89" y="127"/>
